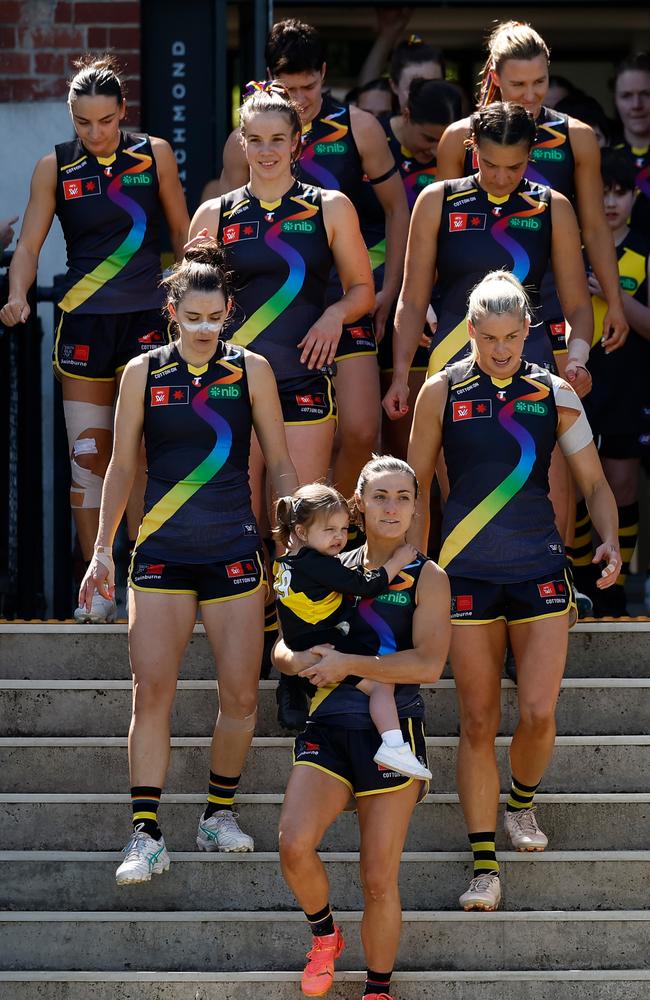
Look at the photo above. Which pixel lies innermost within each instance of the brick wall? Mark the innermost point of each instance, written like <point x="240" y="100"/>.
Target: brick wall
<point x="39" y="40"/>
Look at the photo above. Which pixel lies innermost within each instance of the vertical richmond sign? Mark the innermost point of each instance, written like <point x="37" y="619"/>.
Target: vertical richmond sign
<point x="178" y="100"/>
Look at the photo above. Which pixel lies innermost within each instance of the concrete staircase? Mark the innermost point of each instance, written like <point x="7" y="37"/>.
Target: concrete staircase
<point x="575" y="921"/>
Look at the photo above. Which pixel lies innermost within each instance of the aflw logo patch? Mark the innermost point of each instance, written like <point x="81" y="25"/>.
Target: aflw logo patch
<point x="241" y="231"/>
<point x="459" y="221"/>
<point x="169" y="395"/>
<point x="81" y="188"/>
<point x="471" y="409"/>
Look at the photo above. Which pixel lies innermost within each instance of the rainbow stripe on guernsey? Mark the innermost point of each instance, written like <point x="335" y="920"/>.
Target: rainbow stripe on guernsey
<point x="468" y="528"/>
<point x="555" y="139"/>
<point x="383" y="631"/>
<point x="280" y="300"/>
<point x="322" y="177"/>
<point x="184" y="490"/>
<point x="458" y="337"/>
<point x="411" y="185"/>
<point x="97" y="278"/>
<point x="520" y="259"/>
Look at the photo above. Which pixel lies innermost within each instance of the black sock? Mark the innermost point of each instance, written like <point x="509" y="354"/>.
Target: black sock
<point x="377" y="982"/>
<point x="221" y="793"/>
<point x="484" y="851"/>
<point x="144" y="802"/>
<point x="321" y="923"/>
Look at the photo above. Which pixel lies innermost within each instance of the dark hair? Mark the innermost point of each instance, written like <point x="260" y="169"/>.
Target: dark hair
<point x="202" y="269"/>
<point x="502" y="122"/>
<point x="555" y="80"/>
<point x="509" y="40"/>
<point x="377" y="466"/>
<point x="433" y="102"/>
<point x="96" y="75"/>
<point x="270" y="96"/>
<point x="639" y="61"/>
<point x="586" y="109"/>
<point x="413" y="51"/>
<point x="617" y="170"/>
<point x="304" y="507"/>
<point x="294" y="47"/>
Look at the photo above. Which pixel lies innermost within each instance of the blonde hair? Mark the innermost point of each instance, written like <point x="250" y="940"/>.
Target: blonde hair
<point x="509" y="40"/>
<point x="499" y="293"/>
<point x="305" y="506"/>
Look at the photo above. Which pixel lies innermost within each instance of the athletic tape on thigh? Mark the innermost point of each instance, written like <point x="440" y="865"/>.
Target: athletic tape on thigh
<point x="228" y="724"/>
<point x="80" y="417"/>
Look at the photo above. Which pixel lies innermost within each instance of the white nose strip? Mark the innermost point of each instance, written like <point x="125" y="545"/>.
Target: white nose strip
<point x="203" y="327"/>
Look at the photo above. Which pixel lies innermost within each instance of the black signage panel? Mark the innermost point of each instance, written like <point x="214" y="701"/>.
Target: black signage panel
<point x="181" y="50"/>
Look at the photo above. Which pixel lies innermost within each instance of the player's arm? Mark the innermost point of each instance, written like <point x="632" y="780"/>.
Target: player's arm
<point x="269" y="425"/>
<point x="357" y="581"/>
<point x="172" y="196"/>
<point x="573" y="293"/>
<point x="596" y="234"/>
<point x="36" y="225"/>
<point x="320" y="343"/>
<point x="424" y="447"/>
<point x="118" y="481"/>
<point x="378" y="161"/>
<point x="415" y="296"/>
<point x="205" y="221"/>
<point x="576" y="443"/>
<point x="423" y="663"/>
<point x="450" y="158"/>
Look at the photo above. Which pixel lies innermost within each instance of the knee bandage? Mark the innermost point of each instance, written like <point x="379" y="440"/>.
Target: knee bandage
<point x="80" y="418"/>
<point x="228" y="724"/>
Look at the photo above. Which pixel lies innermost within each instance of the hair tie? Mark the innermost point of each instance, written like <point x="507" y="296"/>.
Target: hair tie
<point x="415" y="40"/>
<point x="295" y="504"/>
<point x="254" y="87"/>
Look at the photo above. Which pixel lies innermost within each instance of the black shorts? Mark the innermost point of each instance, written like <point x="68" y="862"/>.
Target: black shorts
<point x="620" y="445"/>
<point x="347" y="754"/>
<point x="357" y="339"/>
<point x="309" y="399"/>
<point x="210" y="583"/>
<point x="420" y="361"/>
<point x="477" y="602"/>
<point x="556" y="332"/>
<point x="97" y="347"/>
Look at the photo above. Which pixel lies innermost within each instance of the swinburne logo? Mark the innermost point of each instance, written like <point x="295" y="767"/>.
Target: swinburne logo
<point x="298" y="227"/>
<point x="554" y="155"/>
<point x="536" y="409"/>
<point x="224" y="392"/>
<point x="330" y="148"/>
<point x="518" y="223"/>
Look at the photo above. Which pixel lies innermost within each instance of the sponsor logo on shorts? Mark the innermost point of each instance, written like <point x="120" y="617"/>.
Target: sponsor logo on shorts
<point x="308" y="749"/>
<point x="517" y="222"/>
<point x="298" y="226"/>
<point x="239" y="231"/>
<point x="548" y="155"/>
<point x="83" y="188"/>
<point x="394" y="597"/>
<point x="137" y="180"/>
<point x="556" y="548"/>
<point x="463" y="602"/>
<point x="359" y="333"/>
<point x="311" y="399"/>
<point x="152" y="337"/>
<point x="535" y="409"/>
<point x="460" y="221"/>
<point x="330" y="148"/>
<point x="471" y="410"/>
<point x="76" y="354"/>
<point x="169" y="395"/>
<point x="249" y="529"/>
<point x="557" y="329"/>
<point x="224" y="391"/>
<point x="552" y="588"/>
<point x="153" y="571"/>
<point x="387" y="773"/>
<point x="243" y="571"/>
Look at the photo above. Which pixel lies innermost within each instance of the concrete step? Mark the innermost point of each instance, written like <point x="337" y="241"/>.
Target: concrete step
<point x="609" y="707"/>
<point x="73" y="822"/>
<point x="579" y="764"/>
<point x="567" y="880"/>
<point x="277" y="941"/>
<point x="601" y="984"/>
<point x="59" y="652"/>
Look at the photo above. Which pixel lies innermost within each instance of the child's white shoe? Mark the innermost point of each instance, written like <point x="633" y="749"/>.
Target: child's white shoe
<point x="403" y="760"/>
